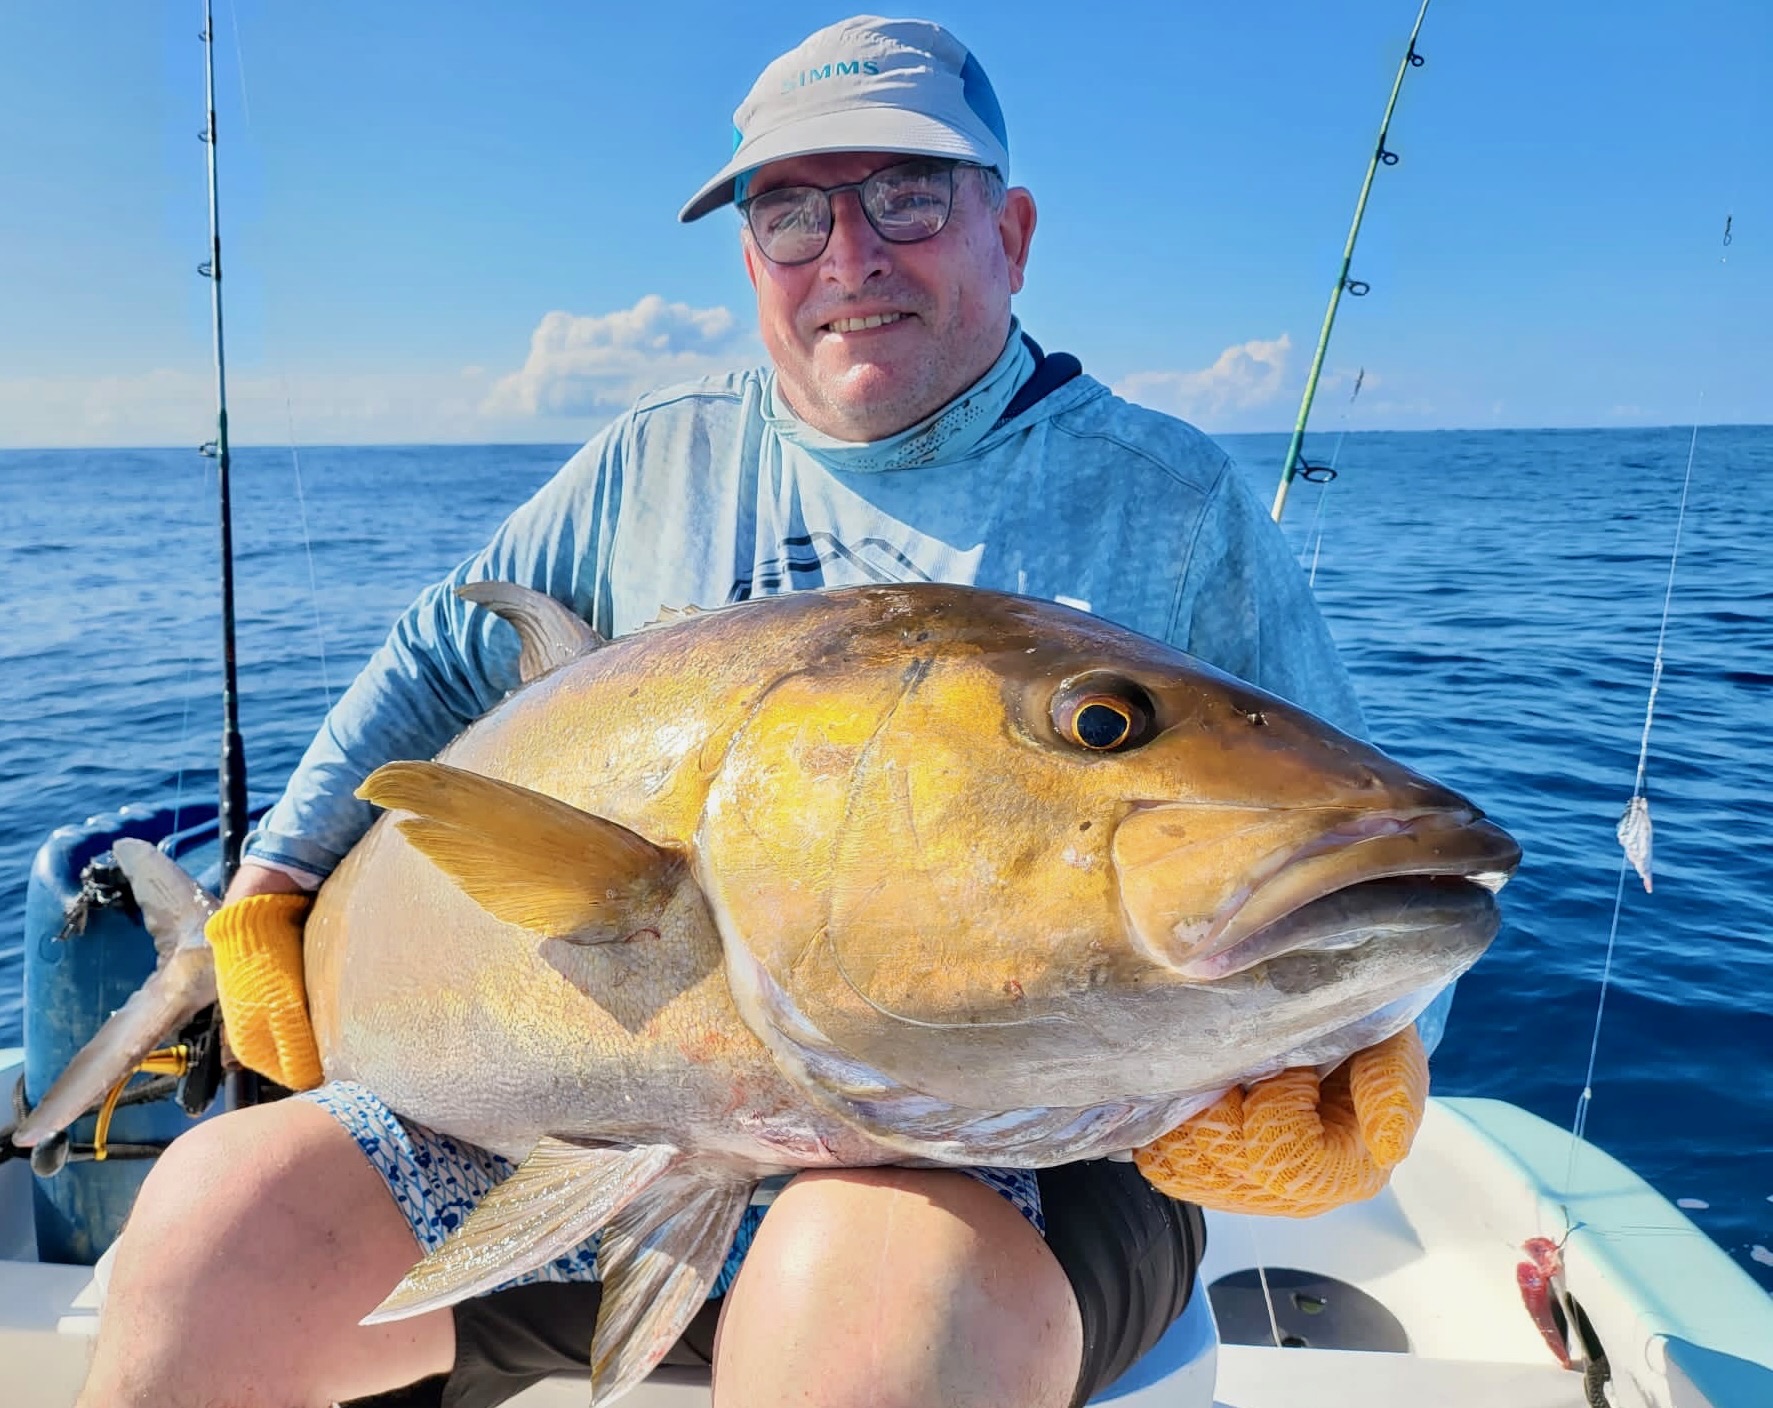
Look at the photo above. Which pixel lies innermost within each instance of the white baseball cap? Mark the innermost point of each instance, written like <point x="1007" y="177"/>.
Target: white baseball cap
<point x="863" y="85"/>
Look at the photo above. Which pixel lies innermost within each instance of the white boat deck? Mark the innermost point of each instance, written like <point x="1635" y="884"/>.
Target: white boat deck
<point x="1248" y="1377"/>
<point x="1683" y="1327"/>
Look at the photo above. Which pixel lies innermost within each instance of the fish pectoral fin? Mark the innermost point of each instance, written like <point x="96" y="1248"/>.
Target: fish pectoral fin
<point x="525" y="858"/>
<point x="559" y="1196"/>
<point x="174" y="906"/>
<point x="551" y="634"/>
<point x="657" y="1261"/>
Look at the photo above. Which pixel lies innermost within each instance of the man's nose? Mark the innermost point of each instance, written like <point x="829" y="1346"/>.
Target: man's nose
<point x="855" y="252"/>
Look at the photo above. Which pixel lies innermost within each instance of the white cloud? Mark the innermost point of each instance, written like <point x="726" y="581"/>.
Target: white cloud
<point x="1244" y="377"/>
<point x="579" y="365"/>
<point x="579" y="371"/>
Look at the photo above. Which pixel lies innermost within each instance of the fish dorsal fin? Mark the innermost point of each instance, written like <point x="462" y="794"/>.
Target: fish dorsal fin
<point x="174" y="906"/>
<point x="551" y="634"/>
<point x="657" y="1259"/>
<point x="558" y="1197"/>
<point x="525" y="858"/>
<point x="671" y="615"/>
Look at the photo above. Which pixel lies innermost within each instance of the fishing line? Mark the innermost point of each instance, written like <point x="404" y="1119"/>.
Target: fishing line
<point x="1329" y="479"/>
<point x="178" y="794"/>
<point x="1634" y="830"/>
<point x="1262" y="1276"/>
<point x="240" y="65"/>
<point x="289" y="414"/>
<point x="308" y="548"/>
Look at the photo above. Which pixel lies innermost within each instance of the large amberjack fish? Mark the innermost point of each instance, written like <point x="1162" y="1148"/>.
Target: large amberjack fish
<point x="890" y="874"/>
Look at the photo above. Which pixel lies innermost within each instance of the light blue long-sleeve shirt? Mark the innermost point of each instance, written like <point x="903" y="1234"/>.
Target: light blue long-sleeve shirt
<point x="714" y="492"/>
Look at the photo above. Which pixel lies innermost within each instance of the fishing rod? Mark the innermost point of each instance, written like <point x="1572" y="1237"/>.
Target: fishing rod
<point x="1354" y="288"/>
<point x="204" y="1072"/>
<point x="231" y="812"/>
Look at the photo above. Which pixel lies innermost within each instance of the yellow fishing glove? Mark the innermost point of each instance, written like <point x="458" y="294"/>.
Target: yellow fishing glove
<point x="1287" y="1147"/>
<point x="258" y="976"/>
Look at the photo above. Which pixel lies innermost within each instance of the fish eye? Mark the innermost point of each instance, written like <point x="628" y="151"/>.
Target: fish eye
<point x="1101" y="719"/>
<point x="1102" y="723"/>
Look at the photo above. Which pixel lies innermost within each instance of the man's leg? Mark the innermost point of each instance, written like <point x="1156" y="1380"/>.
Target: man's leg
<point x="890" y="1287"/>
<point x="258" y="1242"/>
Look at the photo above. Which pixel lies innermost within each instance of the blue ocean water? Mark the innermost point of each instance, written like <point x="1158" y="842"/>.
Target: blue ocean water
<point x="1497" y="595"/>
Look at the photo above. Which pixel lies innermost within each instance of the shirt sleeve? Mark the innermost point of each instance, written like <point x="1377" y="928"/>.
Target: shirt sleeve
<point x="1246" y="607"/>
<point x="445" y="663"/>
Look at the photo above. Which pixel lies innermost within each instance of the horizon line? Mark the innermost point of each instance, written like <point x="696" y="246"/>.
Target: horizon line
<point x="1211" y="434"/>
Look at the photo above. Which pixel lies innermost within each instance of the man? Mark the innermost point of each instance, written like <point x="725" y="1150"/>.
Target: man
<point x="907" y="430"/>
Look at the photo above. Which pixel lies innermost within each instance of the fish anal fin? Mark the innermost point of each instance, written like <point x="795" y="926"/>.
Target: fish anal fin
<point x="526" y="858"/>
<point x="551" y="634"/>
<point x="656" y="1261"/>
<point x="560" y="1195"/>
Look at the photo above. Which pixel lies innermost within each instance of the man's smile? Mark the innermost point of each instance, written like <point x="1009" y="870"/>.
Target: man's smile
<point x="864" y="323"/>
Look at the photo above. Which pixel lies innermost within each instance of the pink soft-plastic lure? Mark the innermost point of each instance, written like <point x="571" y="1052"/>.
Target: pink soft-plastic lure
<point x="1534" y="1277"/>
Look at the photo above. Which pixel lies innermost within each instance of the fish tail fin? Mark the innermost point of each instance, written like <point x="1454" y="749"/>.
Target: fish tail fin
<point x="174" y="908"/>
<point x="657" y="1261"/>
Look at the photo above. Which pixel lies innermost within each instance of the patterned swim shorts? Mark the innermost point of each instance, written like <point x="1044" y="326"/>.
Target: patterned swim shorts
<point x="436" y="1181"/>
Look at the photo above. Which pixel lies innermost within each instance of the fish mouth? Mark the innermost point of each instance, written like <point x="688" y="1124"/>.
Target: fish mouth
<point x="1369" y="911"/>
<point x="1362" y="878"/>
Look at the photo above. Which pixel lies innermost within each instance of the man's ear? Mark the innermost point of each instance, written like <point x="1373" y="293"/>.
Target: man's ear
<point x="1015" y="226"/>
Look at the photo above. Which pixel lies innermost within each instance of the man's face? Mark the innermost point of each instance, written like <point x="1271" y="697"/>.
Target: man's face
<point x="947" y="300"/>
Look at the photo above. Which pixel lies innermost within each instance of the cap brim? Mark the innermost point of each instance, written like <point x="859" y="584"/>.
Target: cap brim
<point x="863" y="129"/>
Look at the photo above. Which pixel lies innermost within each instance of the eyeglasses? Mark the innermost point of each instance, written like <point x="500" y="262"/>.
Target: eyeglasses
<point x="904" y="203"/>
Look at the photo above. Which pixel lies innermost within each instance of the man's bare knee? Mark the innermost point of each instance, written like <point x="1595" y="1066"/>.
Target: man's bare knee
<point x="223" y="1171"/>
<point x="264" y="1235"/>
<point x="239" y="1194"/>
<point x="895" y="1286"/>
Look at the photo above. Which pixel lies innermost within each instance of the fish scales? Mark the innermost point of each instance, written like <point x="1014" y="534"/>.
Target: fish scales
<point x="909" y="874"/>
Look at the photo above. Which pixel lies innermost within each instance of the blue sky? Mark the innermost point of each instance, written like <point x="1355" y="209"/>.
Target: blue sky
<point x="455" y="222"/>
